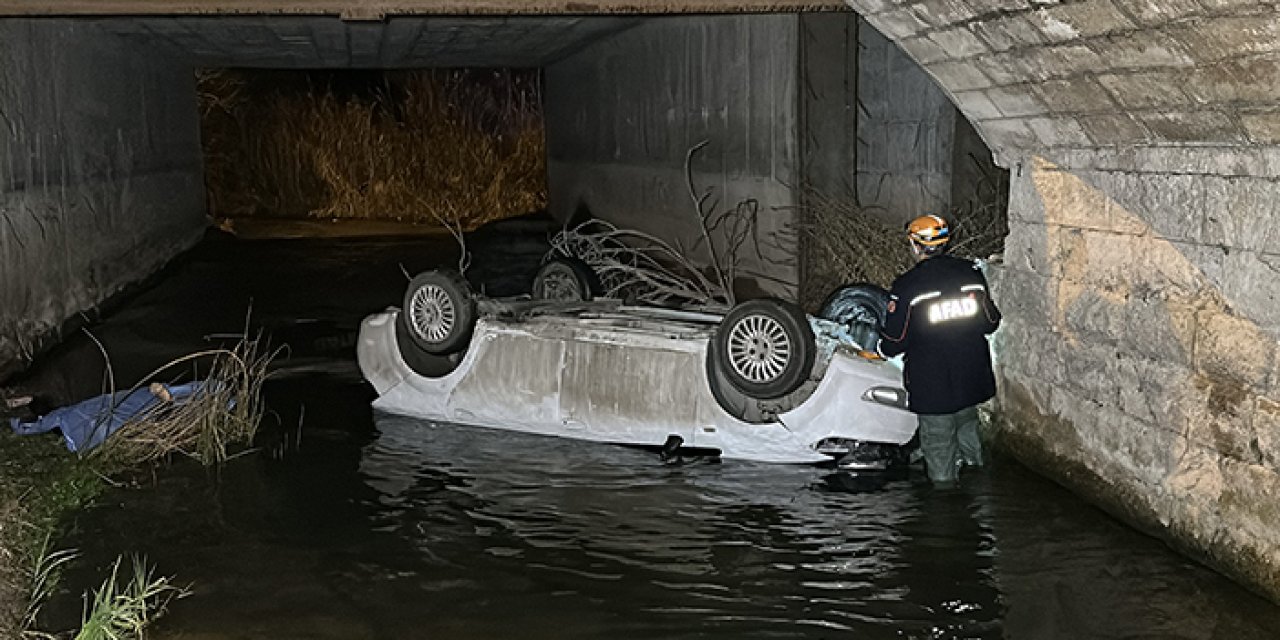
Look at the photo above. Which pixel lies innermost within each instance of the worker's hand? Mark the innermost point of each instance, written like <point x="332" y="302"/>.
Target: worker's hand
<point x="870" y="355"/>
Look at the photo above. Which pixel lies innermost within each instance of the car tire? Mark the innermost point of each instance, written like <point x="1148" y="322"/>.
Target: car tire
<point x="566" y="279"/>
<point x="427" y="365"/>
<point x="764" y="348"/>
<point x="731" y="400"/>
<point x="439" y="312"/>
<point x="862" y="308"/>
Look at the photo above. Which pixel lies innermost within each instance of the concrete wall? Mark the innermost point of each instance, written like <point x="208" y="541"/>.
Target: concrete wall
<point x="976" y="181"/>
<point x="100" y="173"/>
<point x="778" y="98"/>
<point x="622" y="113"/>
<point x="1138" y="361"/>
<point x="878" y="132"/>
<point x="906" y="130"/>
<point x="828" y="93"/>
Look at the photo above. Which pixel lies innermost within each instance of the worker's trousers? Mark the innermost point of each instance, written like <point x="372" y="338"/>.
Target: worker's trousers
<point x="949" y="441"/>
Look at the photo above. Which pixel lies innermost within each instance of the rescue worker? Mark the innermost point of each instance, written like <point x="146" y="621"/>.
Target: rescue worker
<point x="940" y="312"/>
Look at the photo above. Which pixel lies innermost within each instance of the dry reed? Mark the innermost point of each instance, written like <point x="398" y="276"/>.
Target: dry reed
<point x="427" y="146"/>
<point x="847" y="243"/>
<point x="224" y="410"/>
<point x="981" y="222"/>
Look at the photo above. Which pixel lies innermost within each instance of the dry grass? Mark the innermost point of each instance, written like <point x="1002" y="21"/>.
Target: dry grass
<point x="850" y="243"/>
<point x="427" y="147"/>
<point x="981" y="223"/>
<point x="224" y="411"/>
<point x="846" y="243"/>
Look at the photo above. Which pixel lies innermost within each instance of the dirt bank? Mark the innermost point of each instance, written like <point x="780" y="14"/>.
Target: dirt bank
<point x="10" y="584"/>
<point x="42" y="487"/>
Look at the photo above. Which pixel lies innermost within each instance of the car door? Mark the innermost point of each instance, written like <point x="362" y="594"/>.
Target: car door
<point x="628" y="386"/>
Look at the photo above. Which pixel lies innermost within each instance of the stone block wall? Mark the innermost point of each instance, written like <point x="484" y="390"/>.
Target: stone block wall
<point x="1139" y="360"/>
<point x="100" y="173"/>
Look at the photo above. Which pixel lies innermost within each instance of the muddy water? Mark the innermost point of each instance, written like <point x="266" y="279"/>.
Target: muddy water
<point x="347" y="524"/>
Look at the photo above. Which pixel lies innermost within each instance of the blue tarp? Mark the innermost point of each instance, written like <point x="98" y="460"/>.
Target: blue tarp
<point x="87" y="424"/>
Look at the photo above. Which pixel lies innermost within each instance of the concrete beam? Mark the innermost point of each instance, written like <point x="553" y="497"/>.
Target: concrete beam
<point x="308" y="42"/>
<point x="377" y="10"/>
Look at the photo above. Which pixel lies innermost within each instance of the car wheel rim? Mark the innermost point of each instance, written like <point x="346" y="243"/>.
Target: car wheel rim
<point x="431" y="313"/>
<point x="559" y="285"/>
<point x="862" y="314"/>
<point x="759" y="349"/>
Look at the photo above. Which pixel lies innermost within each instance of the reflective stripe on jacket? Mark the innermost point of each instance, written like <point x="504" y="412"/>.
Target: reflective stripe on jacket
<point x="939" y="315"/>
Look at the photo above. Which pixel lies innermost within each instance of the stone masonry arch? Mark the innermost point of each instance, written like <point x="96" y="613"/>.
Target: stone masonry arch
<point x="1141" y="277"/>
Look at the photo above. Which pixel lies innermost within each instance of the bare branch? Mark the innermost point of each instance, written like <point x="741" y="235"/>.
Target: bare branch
<point x="698" y="204"/>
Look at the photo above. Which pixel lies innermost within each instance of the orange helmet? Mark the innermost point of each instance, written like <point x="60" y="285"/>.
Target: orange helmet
<point x="930" y="233"/>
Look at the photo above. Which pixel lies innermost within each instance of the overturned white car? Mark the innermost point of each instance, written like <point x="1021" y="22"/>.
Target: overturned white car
<point x="761" y="381"/>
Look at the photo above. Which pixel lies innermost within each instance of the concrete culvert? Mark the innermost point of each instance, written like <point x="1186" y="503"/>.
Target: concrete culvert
<point x="1117" y="164"/>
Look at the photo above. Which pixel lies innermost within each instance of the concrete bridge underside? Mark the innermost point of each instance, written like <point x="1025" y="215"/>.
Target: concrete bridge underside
<point x="1140" y="361"/>
<point x="379" y="9"/>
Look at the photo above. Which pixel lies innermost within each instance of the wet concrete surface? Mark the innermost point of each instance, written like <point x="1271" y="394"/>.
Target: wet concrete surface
<point x="347" y="524"/>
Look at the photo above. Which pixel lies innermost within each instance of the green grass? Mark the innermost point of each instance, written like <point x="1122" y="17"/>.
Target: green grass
<point x="123" y="606"/>
<point x="40" y="484"/>
<point x="45" y="576"/>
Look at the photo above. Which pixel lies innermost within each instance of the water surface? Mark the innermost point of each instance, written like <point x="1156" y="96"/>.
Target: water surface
<point x="347" y="524"/>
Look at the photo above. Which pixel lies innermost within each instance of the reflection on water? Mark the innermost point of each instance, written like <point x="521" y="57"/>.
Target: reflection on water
<point x="574" y="538"/>
<point x="397" y="528"/>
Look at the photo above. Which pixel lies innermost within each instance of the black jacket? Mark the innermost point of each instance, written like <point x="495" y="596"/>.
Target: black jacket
<point x="939" y="315"/>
